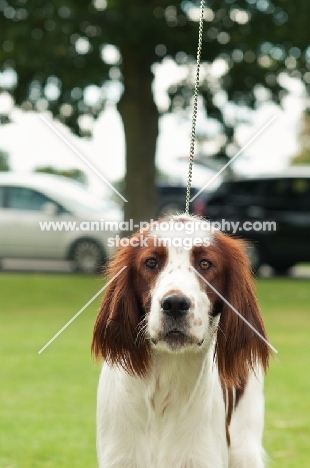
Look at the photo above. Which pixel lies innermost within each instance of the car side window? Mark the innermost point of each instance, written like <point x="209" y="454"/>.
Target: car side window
<point x="300" y="192"/>
<point x="221" y="193"/>
<point x="279" y="188"/>
<point x="22" y="198"/>
<point x="243" y="192"/>
<point x="244" y="188"/>
<point x="277" y="193"/>
<point x="288" y="194"/>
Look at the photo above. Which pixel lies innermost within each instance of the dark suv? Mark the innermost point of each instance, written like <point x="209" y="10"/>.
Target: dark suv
<point x="259" y="204"/>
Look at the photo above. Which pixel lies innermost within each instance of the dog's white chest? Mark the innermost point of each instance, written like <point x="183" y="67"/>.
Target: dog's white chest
<point x="171" y="430"/>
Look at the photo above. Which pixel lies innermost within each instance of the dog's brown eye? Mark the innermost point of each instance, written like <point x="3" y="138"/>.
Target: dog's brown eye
<point x="205" y="264"/>
<point x="151" y="263"/>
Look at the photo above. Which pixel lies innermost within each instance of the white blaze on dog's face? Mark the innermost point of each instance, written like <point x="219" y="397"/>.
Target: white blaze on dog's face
<point x="179" y="316"/>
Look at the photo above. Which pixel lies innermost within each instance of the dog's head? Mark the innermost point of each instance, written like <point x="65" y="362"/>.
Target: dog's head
<point x="184" y="289"/>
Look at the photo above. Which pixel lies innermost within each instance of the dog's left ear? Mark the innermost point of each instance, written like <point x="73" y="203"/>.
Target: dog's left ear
<point x="238" y="348"/>
<point x="117" y="324"/>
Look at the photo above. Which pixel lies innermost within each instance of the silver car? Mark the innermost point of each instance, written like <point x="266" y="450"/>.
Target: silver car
<point x="44" y="216"/>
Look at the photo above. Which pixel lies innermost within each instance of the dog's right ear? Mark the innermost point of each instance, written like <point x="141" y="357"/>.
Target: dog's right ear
<point x="117" y="324"/>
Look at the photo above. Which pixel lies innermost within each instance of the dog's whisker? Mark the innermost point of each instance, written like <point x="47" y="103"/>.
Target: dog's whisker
<point x="140" y="335"/>
<point x="141" y="332"/>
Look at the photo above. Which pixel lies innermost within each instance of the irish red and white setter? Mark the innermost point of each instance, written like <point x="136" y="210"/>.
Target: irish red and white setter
<point x="182" y="380"/>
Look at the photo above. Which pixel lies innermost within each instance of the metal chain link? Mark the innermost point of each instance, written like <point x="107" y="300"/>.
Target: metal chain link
<point x="195" y="106"/>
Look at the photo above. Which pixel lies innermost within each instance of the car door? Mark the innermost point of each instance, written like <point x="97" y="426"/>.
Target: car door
<point x="287" y="202"/>
<point x="299" y="212"/>
<point x="21" y="236"/>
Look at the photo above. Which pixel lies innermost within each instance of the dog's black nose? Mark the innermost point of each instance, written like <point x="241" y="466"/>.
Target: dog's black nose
<point x="175" y="305"/>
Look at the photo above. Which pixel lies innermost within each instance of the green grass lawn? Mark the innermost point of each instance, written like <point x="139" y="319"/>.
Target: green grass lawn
<point x="286" y="308"/>
<point x="47" y="401"/>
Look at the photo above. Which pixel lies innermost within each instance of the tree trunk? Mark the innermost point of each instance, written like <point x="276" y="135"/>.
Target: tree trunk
<point x="140" y="118"/>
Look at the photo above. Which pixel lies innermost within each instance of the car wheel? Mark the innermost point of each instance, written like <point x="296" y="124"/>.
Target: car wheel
<point x="87" y="256"/>
<point x="281" y="270"/>
<point x="255" y="257"/>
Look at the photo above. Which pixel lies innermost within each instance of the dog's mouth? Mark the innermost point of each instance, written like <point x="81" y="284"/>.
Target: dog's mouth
<point x="176" y="338"/>
<point x="176" y="333"/>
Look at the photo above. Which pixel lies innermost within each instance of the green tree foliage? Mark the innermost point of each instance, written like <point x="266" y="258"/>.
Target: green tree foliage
<point x="303" y="157"/>
<point x="58" y="50"/>
<point x="4" y="161"/>
<point x="75" y="174"/>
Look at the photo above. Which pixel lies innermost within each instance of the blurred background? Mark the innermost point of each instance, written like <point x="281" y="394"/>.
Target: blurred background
<point x="113" y="81"/>
<point x="116" y="80"/>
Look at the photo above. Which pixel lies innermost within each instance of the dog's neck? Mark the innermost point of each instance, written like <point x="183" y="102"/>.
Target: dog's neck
<point x="178" y="378"/>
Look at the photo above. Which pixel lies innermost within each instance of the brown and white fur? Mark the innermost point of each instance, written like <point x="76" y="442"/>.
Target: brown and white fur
<point x="182" y="381"/>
